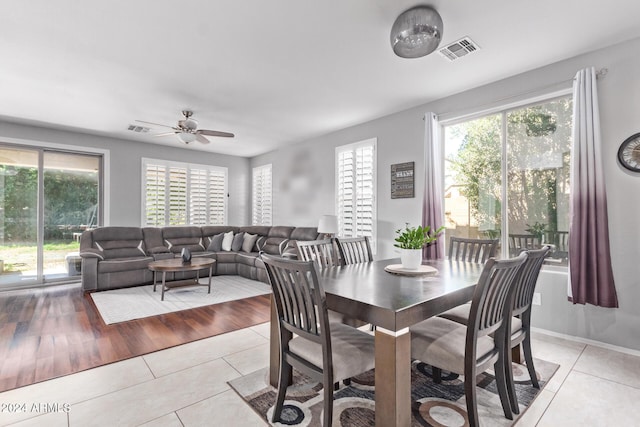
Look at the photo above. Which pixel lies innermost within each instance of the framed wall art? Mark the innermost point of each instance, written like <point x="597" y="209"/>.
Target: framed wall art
<point x="402" y="180"/>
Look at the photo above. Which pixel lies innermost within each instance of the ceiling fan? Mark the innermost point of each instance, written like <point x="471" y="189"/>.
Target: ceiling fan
<point x="187" y="130"/>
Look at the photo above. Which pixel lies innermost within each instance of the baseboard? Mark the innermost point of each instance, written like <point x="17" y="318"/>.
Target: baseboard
<point x="595" y="343"/>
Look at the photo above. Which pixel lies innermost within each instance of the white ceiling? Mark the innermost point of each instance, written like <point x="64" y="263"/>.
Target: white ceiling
<point x="273" y="72"/>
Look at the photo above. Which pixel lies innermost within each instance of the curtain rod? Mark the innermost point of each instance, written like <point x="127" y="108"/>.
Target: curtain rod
<point x="599" y="74"/>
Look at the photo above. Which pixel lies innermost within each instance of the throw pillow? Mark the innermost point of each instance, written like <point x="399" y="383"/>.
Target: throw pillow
<point x="216" y="243"/>
<point x="238" y="239"/>
<point x="249" y="242"/>
<point x="227" y="240"/>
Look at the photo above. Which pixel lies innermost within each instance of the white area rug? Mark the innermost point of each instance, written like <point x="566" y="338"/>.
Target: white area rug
<point x="120" y="305"/>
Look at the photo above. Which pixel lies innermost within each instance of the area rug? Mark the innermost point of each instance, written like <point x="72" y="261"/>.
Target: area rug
<point x="432" y="404"/>
<point x="120" y="305"/>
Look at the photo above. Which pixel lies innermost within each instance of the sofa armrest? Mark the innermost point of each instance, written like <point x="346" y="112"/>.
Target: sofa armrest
<point x="89" y="273"/>
<point x="290" y="253"/>
<point x="92" y="253"/>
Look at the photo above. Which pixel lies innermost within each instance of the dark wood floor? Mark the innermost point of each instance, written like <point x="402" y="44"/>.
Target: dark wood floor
<point x="51" y="332"/>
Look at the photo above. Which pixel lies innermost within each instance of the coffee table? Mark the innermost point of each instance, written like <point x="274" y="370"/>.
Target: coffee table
<point x="176" y="265"/>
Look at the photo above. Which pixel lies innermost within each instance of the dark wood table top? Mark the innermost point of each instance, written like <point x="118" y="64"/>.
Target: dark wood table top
<point x="367" y="292"/>
<point x="176" y="264"/>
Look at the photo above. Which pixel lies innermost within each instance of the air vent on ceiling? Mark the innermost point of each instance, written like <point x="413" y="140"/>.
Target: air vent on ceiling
<point x="138" y="129"/>
<point x="459" y="48"/>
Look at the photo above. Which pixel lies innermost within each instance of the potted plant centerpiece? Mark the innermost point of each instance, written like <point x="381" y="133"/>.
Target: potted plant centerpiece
<point x="411" y="240"/>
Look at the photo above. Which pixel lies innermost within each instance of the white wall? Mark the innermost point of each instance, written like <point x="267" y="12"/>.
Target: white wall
<point x="400" y="139"/>
<point x="125" y="207"/>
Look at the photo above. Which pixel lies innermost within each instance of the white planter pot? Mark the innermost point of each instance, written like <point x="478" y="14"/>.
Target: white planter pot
<point x="411" y="258"/>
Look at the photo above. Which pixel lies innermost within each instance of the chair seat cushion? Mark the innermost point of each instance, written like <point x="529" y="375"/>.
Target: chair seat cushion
<point x="352" y="351"/>
<point x="441" y="343"/>
<point x="460" y="314"/>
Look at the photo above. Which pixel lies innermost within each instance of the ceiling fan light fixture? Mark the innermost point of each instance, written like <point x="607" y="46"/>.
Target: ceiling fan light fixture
<point x="416" y="32"/>
<point x="186" y="137"/>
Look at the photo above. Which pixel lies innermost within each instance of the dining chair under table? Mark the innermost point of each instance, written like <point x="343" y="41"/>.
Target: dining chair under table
<point x="520" y="320"/>
<point x="327" y="352"/>
<point x="470" y="349"/>
<point x="472" y="250"/>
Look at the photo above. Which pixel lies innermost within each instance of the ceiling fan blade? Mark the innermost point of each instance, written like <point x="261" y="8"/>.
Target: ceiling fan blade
<point x="165" y="134"/>
<point x="202" y="139"/>
<point x="215" y="133"/>
<point x="155" y="124"/>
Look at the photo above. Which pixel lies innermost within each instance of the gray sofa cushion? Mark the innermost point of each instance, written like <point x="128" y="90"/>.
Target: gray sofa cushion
<point x="238" y="239"/>
<point x="276" y="240"/>
<point x="208" y="231"/>
<point x="123" y="264"/>
<point x="225" y="257"/>
<point x="215" y="245"/>
<point x="249" y="243"/>
<point x="246" y="259"/>
<point x="178" y="238"/>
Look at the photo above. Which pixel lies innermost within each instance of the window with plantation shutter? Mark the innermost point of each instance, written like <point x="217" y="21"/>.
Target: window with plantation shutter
<point x="261" y="195"/>
<point x="179" y="194"/>
<point x="356" y="190"/>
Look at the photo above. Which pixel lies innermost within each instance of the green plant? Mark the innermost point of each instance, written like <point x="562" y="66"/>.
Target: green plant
<point x="416" y="237"/>
<point x="537" y="229"/>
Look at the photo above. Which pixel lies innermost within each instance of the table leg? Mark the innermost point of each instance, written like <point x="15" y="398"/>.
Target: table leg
<point x="393" y="377"/>
<point x="155" y="280"/>
<point x="164" y="276"/>
<point x="516" y="354"/>
<point x="210" y="273"/>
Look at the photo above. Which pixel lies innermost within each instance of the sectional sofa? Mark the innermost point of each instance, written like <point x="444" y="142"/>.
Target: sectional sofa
<point x="116" y="257"/>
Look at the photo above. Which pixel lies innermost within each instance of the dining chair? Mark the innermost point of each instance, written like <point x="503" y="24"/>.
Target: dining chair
<point x="520" y="322"/>
<point x="472" y="250"/>
<point x="327" y="352"/>
<point x="521" y="242"/>
<point x="354" y="250"/>
<point x="469" y="349"/>
<point x="322" y="252"/>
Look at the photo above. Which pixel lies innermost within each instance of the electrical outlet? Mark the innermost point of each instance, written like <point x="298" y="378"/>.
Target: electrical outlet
<point x="536" y="299"/>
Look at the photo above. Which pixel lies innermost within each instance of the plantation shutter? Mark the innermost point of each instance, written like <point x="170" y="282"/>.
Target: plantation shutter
<point x="262" y="196"/>
<point x="356" y="190"/>
<point x="177" y="196"/>
<point x="217" y="197"/>
<point x="183" y="194"/>
<point x="155" y="182"/>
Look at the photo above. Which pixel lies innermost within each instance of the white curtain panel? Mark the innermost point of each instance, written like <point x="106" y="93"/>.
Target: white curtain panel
<point x="590" y="273"/>
<point x="432" y="205"/>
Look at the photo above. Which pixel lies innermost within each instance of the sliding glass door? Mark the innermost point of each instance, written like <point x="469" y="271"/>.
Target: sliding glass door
<point x="47" y="199"/>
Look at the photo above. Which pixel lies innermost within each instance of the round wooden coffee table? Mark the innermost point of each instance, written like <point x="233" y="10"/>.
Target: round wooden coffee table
<point x="176" y="265"/>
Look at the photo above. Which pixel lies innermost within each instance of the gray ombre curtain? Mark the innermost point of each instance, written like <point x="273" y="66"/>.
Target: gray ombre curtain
<point x="432" y="209"/>
<point x="590" y="272"/>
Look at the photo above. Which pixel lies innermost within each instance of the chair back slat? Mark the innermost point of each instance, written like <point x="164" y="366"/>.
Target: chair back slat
<point x="321" y="252"/>
<point x="491" y="295"/>
<point x="354" y="250"/>
<point x="472" y="250"/>
<point x="300" y="301"/>
<point x="528" y="278"/>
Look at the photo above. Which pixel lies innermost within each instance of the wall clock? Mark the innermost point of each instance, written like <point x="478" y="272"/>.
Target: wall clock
<point x="629" y="153"/>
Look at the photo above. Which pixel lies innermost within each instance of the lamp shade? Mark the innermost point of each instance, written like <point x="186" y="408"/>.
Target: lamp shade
<point x="416" y="32"/>
<point x="186" y="137"/>
<point x="328" y="224"/>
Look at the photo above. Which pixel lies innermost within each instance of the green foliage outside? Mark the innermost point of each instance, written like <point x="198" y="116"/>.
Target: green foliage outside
<point x="533" y="189"/>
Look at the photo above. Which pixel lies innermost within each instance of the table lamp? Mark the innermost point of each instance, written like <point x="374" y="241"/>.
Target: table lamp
<point x="328" y="226"/>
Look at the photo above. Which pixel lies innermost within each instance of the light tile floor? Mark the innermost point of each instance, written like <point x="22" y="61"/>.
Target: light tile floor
<point x="187" y="386"/>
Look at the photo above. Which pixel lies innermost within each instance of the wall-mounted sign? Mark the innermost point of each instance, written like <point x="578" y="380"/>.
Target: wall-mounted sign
<point x="402" y="180"/>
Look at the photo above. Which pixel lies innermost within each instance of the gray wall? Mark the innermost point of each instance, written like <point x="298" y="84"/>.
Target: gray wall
<point x="400" y="139"/>
<point x="125" y="207"/>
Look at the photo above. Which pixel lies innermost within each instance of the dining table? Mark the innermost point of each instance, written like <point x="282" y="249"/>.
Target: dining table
<point x="392" y="303"/>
